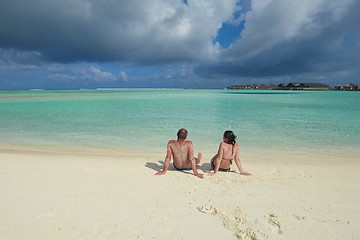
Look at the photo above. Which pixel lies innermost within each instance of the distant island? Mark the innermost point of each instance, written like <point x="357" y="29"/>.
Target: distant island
<point x="299" y="86"/>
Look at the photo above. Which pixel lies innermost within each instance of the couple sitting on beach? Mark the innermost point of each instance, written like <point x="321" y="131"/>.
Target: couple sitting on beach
<point x="182" y="153"/>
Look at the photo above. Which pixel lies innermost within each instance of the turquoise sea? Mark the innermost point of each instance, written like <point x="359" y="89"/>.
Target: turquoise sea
<point x="286" y="125"/>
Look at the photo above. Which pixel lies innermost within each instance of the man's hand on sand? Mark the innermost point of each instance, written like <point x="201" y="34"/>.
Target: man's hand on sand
<point x="199" y="175"/>
<point x="160" y="173"/>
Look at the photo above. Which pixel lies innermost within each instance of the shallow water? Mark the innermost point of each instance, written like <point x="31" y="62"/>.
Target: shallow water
<point x="269" y="124"/>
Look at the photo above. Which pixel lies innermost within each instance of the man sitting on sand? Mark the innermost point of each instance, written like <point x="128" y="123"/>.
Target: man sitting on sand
<point x="182" y="153"/>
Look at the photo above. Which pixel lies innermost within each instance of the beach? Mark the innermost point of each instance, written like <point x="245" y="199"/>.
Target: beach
<point x="82" y="164"/>
<point x="96" y="97"/>
<point x="47" y="195"/>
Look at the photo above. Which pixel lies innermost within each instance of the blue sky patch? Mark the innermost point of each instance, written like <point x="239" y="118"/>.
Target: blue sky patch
<point x="228" y="34"/>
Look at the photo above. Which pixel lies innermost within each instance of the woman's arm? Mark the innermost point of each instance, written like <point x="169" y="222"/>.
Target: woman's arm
<point x="218" y="159"/>
<point x="238" y="163"/>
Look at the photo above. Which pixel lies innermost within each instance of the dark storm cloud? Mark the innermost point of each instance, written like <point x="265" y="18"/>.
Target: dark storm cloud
<point x="124" y="31"/>
<point x="71" y="40"/>
<point x="327" y="47"/>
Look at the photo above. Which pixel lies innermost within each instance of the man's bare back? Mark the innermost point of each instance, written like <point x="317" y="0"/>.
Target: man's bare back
<point x="182" y="153"/>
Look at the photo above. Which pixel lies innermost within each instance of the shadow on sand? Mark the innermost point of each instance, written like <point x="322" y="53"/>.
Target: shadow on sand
<point x="205" y="167"/>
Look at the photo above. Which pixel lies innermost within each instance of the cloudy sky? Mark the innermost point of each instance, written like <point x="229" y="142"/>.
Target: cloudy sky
<point x="56" y="44"/>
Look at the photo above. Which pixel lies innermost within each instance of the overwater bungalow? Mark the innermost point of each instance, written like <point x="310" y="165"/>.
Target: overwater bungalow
<point x="303" y="86"/>
<point x="347" y="87"/>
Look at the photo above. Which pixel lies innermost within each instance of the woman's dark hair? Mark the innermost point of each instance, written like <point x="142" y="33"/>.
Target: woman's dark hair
<point x="230" y="137"/>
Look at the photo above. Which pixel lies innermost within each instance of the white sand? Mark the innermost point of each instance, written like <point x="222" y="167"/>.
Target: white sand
<point x="54" y="196"/>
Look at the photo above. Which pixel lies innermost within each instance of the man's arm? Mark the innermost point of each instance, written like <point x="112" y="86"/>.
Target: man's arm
<point x="193" y="162"/>
<point x="167" y="161"/>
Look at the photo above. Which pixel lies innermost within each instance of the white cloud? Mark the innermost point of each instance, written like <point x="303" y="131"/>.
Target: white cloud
<point x="13" y="60"/>
<point x="95" y="74"/>
<point x="123" y="76"/>
<point x="79" y="72"/>
<point x="271" y="22"/>
<point x="127" y="31"/>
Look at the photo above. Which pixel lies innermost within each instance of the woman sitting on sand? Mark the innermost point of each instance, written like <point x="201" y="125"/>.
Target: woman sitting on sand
<point x="228" y="151"/>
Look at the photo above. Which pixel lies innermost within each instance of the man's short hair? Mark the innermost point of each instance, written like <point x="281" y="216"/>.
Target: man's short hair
<point x="182" y="133"/>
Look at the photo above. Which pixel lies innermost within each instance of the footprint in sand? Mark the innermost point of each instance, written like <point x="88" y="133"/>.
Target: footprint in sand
<point x="275" y="223"/>
<point x="299" y="217"/>
<point x="236" y="223"/>
<point x="208" y="209"/>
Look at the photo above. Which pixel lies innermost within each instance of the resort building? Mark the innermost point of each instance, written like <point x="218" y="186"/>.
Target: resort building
<point x="303" y="86"/>
<point x="348" y="87"/>
<point x="298" y="86"/>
